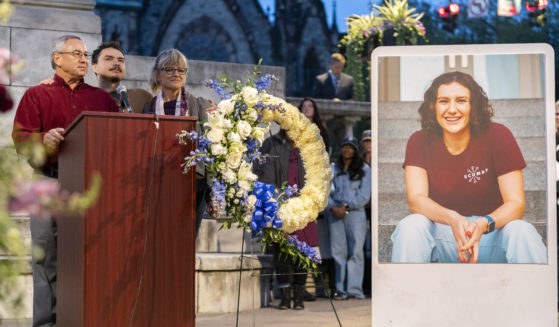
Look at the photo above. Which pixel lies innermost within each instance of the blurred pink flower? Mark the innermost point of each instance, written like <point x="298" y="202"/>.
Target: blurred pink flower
<point x="33" y="196"/>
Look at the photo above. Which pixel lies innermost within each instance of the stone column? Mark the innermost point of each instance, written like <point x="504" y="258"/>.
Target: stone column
<point x="349" y="122"/>
<point x="29" y="34"/>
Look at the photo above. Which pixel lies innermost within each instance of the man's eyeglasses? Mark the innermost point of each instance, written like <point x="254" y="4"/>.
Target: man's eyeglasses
<point x="172" y="70"/>
<point x="76" y="54"/>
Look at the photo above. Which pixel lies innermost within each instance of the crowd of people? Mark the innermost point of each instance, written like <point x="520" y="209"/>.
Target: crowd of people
<point x="443" y="226"/>
<point x="45" y="110"/>
<point x="342" y="230"/>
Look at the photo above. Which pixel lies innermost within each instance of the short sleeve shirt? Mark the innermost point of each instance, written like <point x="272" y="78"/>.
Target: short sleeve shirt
<point x="466" y="182"/>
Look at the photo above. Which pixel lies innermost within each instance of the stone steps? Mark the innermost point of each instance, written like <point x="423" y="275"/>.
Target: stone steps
<point x="393" y="150"/>
<point x="217" y="270"/>
<point x="391" y="177"/>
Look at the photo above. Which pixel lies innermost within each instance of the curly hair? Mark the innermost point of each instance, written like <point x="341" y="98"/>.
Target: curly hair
<point x="317" y="119"/>
<point x="481" y="111"/>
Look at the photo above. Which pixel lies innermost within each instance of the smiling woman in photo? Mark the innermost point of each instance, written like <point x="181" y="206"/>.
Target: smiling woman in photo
<point x="464" y="183"/>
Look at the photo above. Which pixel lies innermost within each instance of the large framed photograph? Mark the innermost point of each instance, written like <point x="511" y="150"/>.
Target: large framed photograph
<point x="464" y="189"/>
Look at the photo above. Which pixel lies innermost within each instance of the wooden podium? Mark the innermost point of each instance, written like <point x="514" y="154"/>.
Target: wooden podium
<point x="129" y="261"/>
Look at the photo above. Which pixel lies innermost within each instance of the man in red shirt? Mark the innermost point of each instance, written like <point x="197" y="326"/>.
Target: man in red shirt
<point x="42" y="115"/>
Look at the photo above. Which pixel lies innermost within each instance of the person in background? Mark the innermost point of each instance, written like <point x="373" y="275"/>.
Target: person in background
<point x="167" y="80"/>
<point x="310" y="109"/>
<point x="284" y="164"/>
<point x="351" y="190"/>
<point x="334" y="84"/>
<point x="366" y="144"/>
<point x="42" y="116"/>
<point x="109" y="66"/>
<point x="366" y="156"/>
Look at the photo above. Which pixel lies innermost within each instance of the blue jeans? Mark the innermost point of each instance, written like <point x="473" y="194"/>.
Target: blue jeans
<point x="418" y="239"/>
<point x="347" y="237"/>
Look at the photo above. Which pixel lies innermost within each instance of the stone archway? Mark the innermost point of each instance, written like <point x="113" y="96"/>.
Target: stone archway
<point x="205" y="39"/>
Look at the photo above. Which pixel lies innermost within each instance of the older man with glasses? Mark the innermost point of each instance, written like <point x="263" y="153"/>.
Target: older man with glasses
<point x="43" y="114"/>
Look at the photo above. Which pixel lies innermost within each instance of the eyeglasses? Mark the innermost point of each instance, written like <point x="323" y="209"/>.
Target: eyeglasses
<point x="76" y="54"/>
<point x="172" y="70"/>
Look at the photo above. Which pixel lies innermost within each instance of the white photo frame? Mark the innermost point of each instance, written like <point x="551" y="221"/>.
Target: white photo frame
<point x="463" y="294"/>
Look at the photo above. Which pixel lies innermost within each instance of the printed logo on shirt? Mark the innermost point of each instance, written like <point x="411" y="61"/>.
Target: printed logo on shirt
<point x="473" y="174"/>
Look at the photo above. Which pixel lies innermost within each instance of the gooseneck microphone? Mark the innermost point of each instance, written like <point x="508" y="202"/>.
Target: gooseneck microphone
<point x="121" y="90"/>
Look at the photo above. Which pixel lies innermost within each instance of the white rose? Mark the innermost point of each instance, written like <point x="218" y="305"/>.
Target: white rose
<point x="252" y="114"/>
<point x="227" y="123"/>
<point x="250" y="95"/>
<point x="215" y="135"/>
<point x="229" y="176"/>
<point x="234" y="159"/>
<point x="251" y="201"/>
<point x="244" y="186"/>
<point x="222" y="166"/>
<point x="218" y="149"/>
<point x="234" y="137"/>
<point x="227" y="106"/>
<point x="244" y="129"/>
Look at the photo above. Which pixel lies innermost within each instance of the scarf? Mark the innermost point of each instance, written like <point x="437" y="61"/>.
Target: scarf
<point x="181" y="105"/>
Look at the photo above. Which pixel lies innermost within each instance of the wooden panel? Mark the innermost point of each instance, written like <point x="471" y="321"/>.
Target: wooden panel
<point x="121" y="148"/>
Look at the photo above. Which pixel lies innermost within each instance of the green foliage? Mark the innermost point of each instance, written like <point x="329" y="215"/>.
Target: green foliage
<point x="17" y="180"/>
<point x="368" y="31"/>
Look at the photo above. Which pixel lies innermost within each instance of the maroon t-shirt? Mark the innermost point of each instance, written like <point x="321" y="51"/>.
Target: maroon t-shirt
<point x="47" y="106"/>
<point x="466" y="182"/>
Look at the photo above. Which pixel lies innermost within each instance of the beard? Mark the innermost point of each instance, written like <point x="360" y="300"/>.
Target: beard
<point x="113" y="79"/>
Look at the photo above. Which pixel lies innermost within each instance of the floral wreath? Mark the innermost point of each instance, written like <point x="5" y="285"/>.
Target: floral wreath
<point x="232" y="138"/>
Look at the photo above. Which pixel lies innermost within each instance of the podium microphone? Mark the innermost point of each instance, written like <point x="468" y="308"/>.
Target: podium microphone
<point x="121" y="90"/>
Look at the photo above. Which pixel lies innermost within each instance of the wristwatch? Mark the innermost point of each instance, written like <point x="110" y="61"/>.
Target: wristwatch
<point x="490" y="225"/>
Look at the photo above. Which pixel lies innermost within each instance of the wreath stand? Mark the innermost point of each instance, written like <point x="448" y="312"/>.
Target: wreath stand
<point x="253" y="275"/>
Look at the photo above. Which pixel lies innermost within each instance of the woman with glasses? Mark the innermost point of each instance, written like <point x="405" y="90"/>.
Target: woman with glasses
<point x="167" y="80"/>
<point x="464" y="183"/>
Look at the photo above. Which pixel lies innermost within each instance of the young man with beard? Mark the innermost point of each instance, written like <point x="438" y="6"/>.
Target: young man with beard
<point x="109" y="66"/>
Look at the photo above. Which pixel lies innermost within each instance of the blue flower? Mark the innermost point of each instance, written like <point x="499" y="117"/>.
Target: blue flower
<point x="218" y="88"/>
<point x="218" y="191"/>
<point x="304" y="248"/>
<point x="264" y="82"/>
<point x="203" y="142"/>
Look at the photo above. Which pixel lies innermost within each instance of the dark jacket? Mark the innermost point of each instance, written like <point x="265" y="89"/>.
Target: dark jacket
<point x="324" y="87"/>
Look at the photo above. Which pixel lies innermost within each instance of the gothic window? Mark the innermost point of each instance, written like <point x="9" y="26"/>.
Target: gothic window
<point x="312" y="66"/>
<point x="205" y="39"/>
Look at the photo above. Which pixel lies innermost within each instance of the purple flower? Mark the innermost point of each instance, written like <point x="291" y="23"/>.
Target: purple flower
<point x="304" y="248"/>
